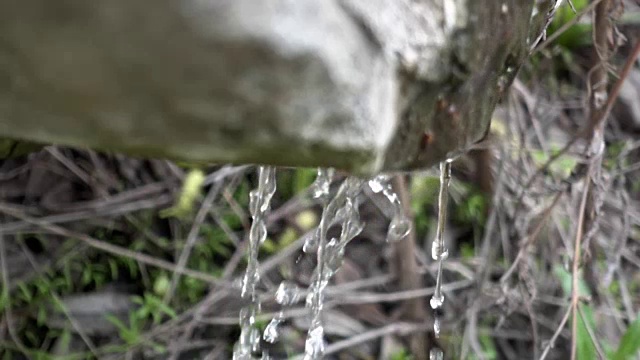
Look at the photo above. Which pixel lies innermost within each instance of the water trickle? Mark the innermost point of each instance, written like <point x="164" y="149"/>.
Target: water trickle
<point x="249" y="340"/>
<point x="314" y="345"/>
<point x="436" y="326"/>
<point x="438" y="250"/>
<point x="342" y="207"/>
<point x="320" y="191"/>
<point x="259" y="201"/>
<point x="400" y="225"/>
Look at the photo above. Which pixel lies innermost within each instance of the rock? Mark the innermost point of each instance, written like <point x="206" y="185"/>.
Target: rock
<point x="360" y="85"/>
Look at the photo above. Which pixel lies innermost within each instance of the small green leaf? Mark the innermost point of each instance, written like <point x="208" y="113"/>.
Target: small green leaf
<point x="630" y="343"/>
<point x="189" y="193"/>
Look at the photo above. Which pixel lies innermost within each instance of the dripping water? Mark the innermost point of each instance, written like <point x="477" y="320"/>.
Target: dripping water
<point x="400" y="225"/>
<point x="287" y="294"/>
<point x="341" y="208"/>
<point x="439" y="252"/>
<point x="320" y="191"/>
<point x="436" y="354"/>
<point x="259" y="201"/>
<point x="314" y="345"/>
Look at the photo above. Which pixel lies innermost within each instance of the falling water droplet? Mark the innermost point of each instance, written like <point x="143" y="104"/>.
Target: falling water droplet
<point x="436" y="326"/>
<point x="288" y="293"/>
<point x="377" y="184"/>
<point x="272" y="331"/>
<point x="436" y="354"/>
<point x="314" y="345"/>
<point x="399" y="228"/>
<point x="259" y="203"/>
<point x="400" y="225"/>
<point x="438" y="250"/>
<point x="436" y="301"/>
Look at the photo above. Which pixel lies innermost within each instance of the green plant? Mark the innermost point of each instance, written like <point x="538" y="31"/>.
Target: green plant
<point x="578" y="34"/>
<point x="191" y="189"/>
<point x="630" y="342"/>
<point x="402" y="354"/>
<point x="151" y="309"/>
<point x="585" y="348"/>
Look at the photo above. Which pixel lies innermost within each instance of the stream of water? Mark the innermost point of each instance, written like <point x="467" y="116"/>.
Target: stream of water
<point x="439" y="251"/>
<point x="330" y="253"/>
<point x="342" y="210"/>
<point x="259" y="201"/>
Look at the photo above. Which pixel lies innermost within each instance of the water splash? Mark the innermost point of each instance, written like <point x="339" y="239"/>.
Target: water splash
<point x="400" y="225"/>
<point x="259" y="201"/>
<point x="438" y="250"/>
<point x="343" y="208"/>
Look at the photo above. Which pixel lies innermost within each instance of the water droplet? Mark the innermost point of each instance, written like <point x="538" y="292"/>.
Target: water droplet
<point x="436" y="301"/>
<point x="272" y="331"/>
<point x="436" y="354"/>
<point x="376" y="184"/>
<point x="504" y="9"/>
<point x="320" y="187"/>
<point x="436" y="326"/>
<point x="438" y="252"/>
<point x="400" y="225"/>
<point x="314" y="346"/>
<point x="311" y="242"/>
<point x="399" y="228"/>
<point x="288" y="293"/>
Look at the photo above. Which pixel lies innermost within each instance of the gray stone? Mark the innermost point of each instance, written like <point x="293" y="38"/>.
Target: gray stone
<point x="361" y="85"/>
